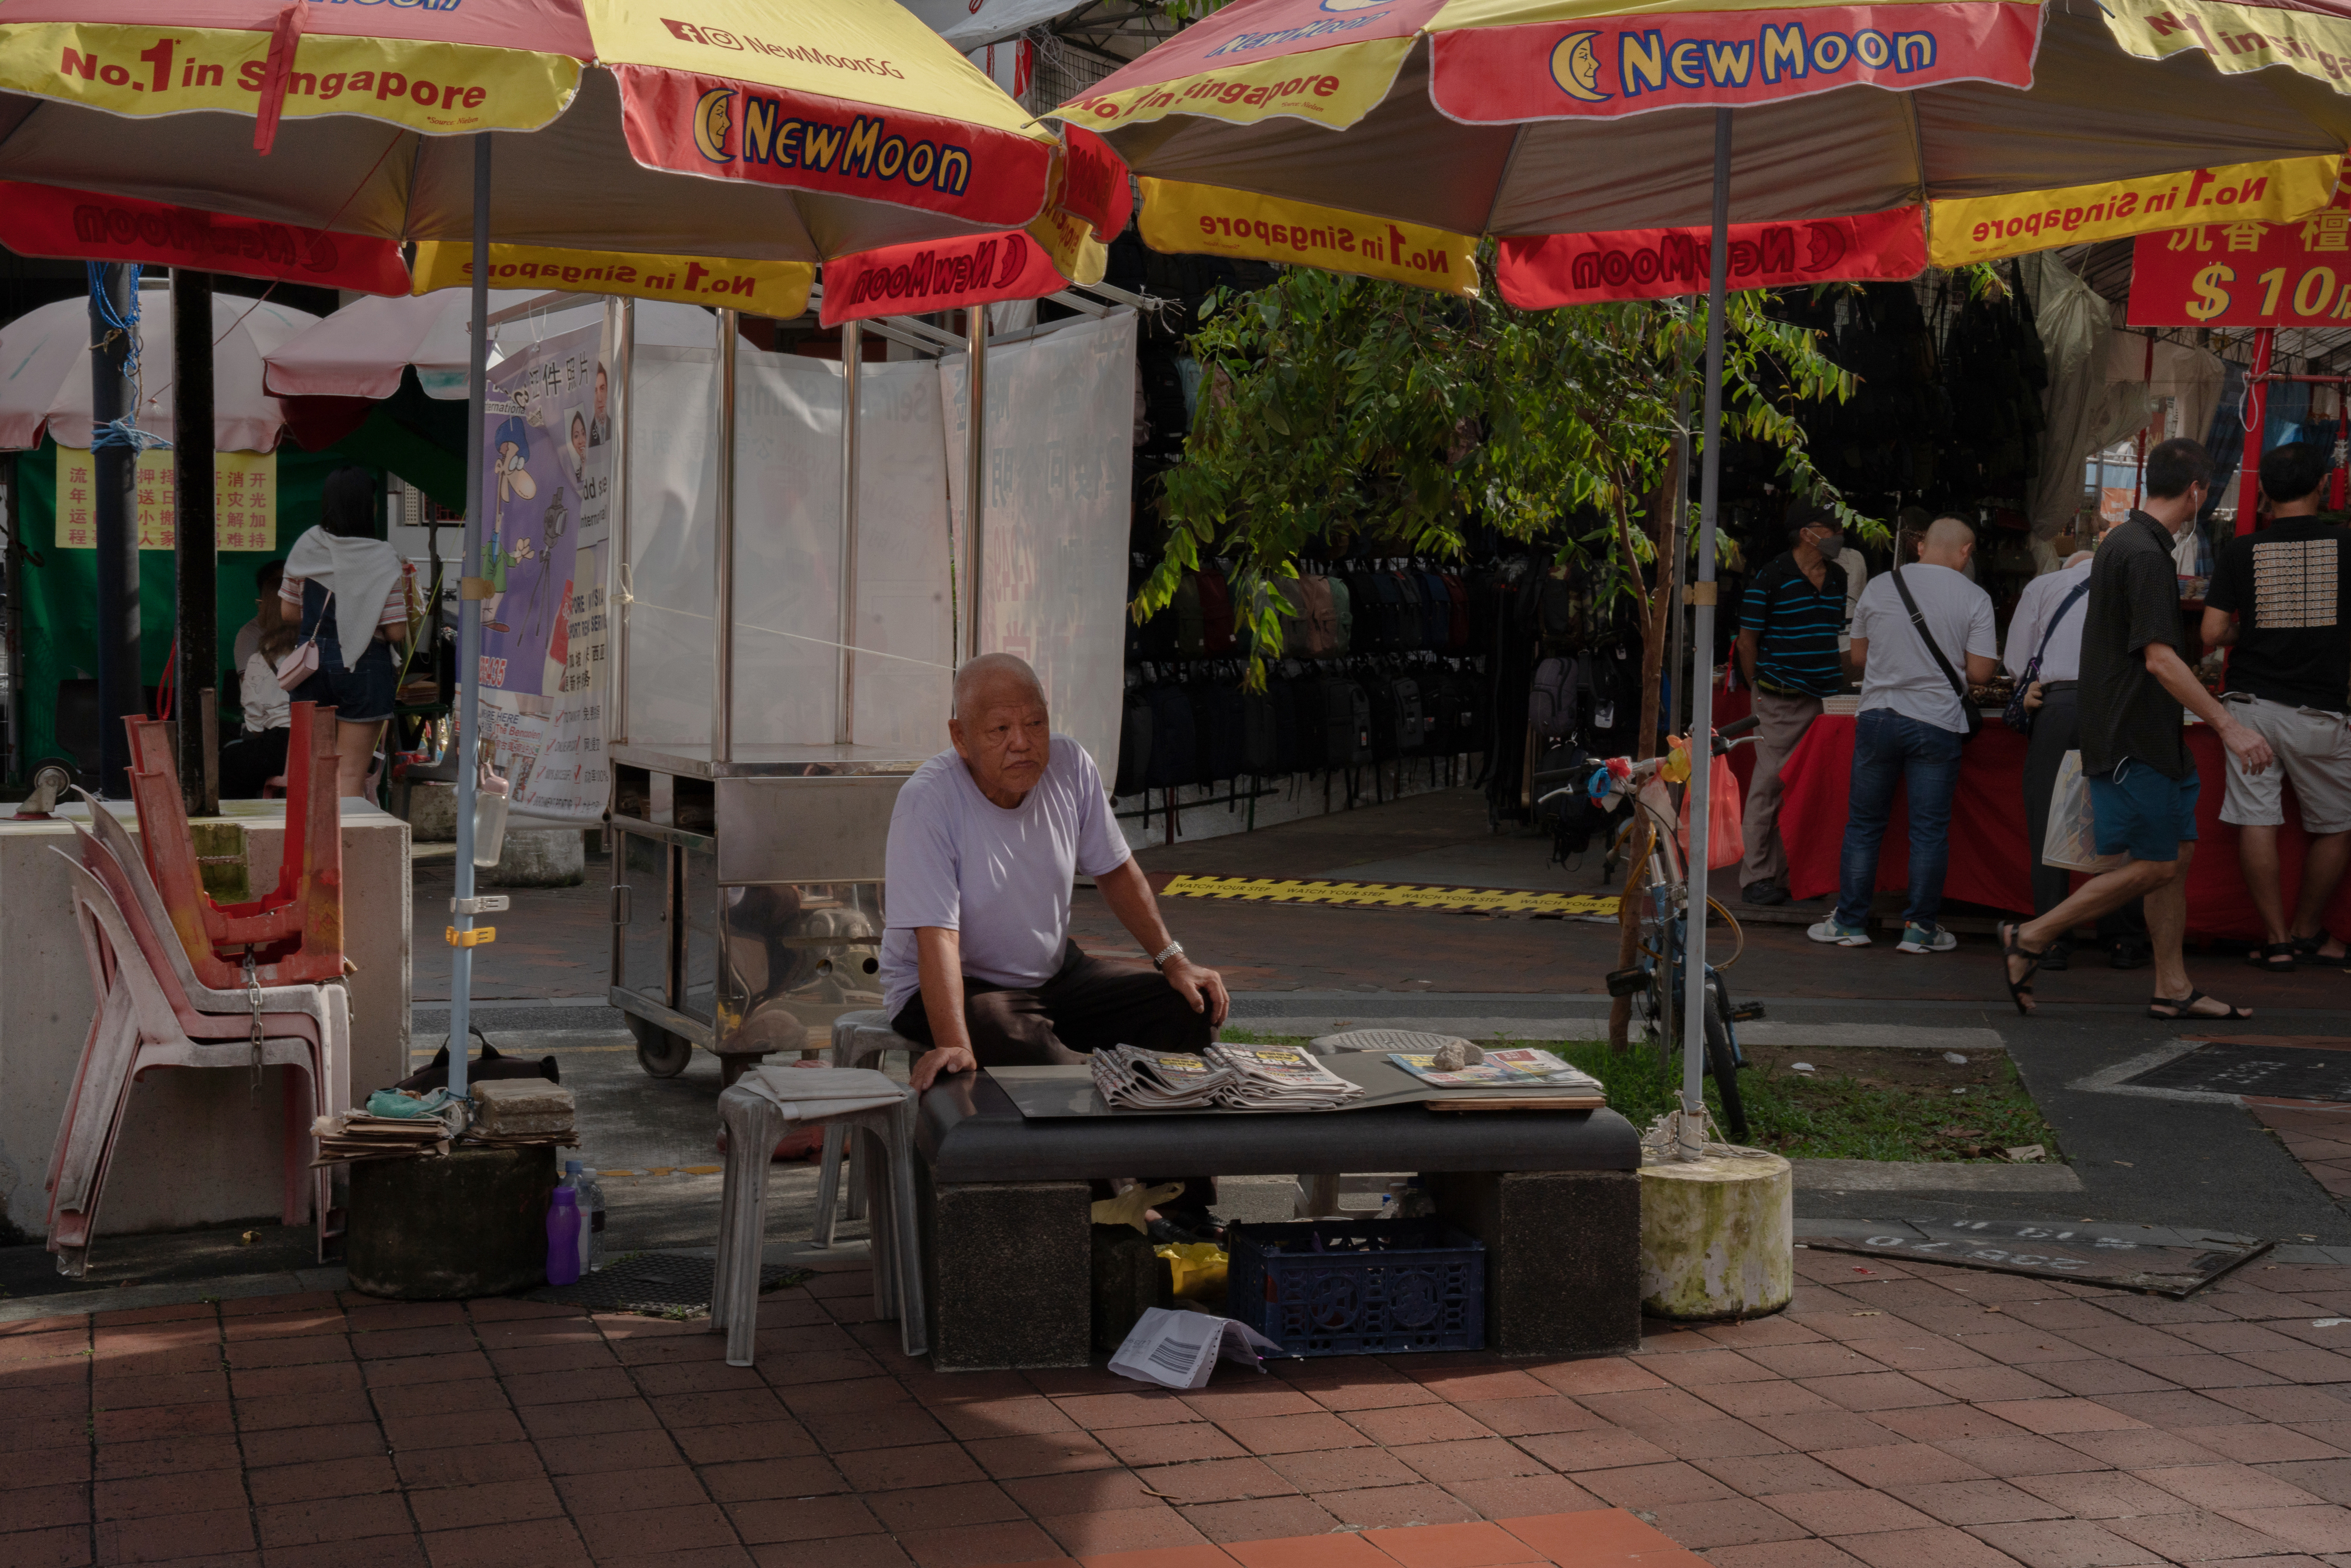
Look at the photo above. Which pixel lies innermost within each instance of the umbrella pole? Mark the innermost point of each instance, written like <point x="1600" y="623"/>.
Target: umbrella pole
<point x="844" y="720"/>
<point x="195" y="541"/>
<point x="1692" y="1140"/>
<point x="114" y="466"/>
<point x="975" y="472"/>
<point x="470" y="592"/>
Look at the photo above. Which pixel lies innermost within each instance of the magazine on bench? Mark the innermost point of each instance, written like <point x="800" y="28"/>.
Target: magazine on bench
<point x="1522" y="1068"/>
<point x="1235" y="1077"/>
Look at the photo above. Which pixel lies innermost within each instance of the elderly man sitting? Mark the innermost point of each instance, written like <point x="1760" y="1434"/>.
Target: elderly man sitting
<point x="977" y="964"/>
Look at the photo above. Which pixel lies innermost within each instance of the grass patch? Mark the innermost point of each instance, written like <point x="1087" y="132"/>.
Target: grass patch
<point x="1860" y="1103"/>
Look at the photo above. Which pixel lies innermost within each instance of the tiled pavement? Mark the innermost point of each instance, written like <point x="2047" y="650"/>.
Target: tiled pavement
<point x="1894" y="1418"/>
<point x="2316" y="1134"/>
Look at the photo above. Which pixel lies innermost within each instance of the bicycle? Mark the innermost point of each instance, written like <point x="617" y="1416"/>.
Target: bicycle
<point x="1661" y="897"/>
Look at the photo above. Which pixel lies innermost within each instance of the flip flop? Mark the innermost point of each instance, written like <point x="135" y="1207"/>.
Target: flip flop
<point x="2179" y="1006"/>
<point x="2019" y="989"/>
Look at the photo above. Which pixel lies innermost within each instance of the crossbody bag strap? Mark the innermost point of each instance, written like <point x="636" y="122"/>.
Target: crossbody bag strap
<point x="1919" y="621"/>
<point x="2059" y="619"/>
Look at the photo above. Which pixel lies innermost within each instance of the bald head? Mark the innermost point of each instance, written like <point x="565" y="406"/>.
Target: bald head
<point x="993" y="680"/>
<point x="1949" y="542"/>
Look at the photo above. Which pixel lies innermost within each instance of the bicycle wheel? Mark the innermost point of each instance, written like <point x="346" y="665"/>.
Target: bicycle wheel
<point x="1723" y="1063"/>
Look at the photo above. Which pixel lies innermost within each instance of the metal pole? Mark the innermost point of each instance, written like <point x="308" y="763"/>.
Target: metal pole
<point x="471" y="591"/>
<point x="721" y="657"/>
<point x="1692" y="1140"/>
<point x="113" y="470"/>
<point x="845" y="725"/>
<point x="195" y="541"/>
<point x="975" y="470"/>
<point x="1678" y="641"/>
<point x="616" y="407"/>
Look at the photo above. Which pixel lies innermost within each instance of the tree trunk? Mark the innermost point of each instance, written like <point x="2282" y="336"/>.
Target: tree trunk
<point x="1652" y="659"/>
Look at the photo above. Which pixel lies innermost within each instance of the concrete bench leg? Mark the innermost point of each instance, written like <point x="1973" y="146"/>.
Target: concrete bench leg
<point x="1010" y="1268"/>
<point x="1564" y="1257"/>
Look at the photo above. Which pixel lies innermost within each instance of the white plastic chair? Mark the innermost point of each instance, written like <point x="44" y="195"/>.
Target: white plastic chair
<point x="136" y="1029"/>
<point x="753" y="1124"/>
<point x="859" y="1040"/>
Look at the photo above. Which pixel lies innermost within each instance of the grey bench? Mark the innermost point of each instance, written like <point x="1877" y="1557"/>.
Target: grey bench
<point x="1007" y="1246"/>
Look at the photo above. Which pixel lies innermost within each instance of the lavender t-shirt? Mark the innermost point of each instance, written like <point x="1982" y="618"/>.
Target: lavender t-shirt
<point x="1000" y="878"/>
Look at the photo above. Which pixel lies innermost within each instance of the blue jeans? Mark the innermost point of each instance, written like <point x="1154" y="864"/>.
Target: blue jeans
<point x="1888" y="750"/>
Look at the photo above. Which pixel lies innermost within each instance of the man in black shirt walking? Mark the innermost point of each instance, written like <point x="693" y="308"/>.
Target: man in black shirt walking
<point x="2284" y="596"/>
<point x="2143" y="783"/>
<point x="1790" y="620"/>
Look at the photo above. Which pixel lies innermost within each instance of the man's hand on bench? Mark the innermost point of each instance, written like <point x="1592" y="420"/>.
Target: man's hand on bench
<point x="1199" y="987"/>
<point x="939" y="1059"/>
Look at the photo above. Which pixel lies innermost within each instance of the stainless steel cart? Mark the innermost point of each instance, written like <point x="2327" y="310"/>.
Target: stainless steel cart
<point x="746" y="897"/>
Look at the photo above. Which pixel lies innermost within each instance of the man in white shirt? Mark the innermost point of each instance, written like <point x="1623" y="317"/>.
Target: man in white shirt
<point x="2047" y="625"/>
<point x="1912" y="724"/>
<point x="984" y="842"/>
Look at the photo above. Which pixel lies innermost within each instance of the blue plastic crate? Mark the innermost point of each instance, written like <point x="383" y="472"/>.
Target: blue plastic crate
<point x="1374" y="1287"/>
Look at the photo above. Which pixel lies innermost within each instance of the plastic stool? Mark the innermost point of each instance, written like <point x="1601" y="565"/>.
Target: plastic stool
<point x="753" y="1123"/>
<point x="859" y="1040"/>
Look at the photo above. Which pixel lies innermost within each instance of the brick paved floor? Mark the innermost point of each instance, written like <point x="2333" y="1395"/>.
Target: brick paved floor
<point x="1894" y="1418"/>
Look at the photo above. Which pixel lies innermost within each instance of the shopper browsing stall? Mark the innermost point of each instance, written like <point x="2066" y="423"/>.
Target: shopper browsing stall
<point x="985" y="840"/>
<point x="1791" y="618"/>
<point x="346" y="586"/>
<point x="2047" y="627"/>
<point x="1912" y="631"/>
<point x="257" y="753"/>
<point x="2143" y="784"/>
<point x="2283" y="597"/>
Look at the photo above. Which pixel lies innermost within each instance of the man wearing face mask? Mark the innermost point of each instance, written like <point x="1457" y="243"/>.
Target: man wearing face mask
<point x="1789" y="620"/>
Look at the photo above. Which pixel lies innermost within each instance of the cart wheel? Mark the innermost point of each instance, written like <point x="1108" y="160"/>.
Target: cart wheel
<point x="660" y="1053"/>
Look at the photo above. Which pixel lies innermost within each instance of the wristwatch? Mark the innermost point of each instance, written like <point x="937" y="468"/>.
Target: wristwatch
<point x="1159" y="959"/>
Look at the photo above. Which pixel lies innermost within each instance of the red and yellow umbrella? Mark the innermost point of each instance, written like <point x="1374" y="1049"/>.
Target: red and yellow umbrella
<point x="834" y="126"/>
<point x="1386" y="136"/>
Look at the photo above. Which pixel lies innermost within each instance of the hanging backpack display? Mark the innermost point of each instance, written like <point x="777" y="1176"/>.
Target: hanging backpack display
<point x="1457" y="593"/>
<point x="1346" y="724"/>
<point x="1322" y="619"/>
<point x="1550" y="701"/>
<point x="1259" y="747"/>
<point x="1133" y="745"/>
<point x="1343" y="615"/>
<point x="1175" y="756"/>
<point x="1411" y="729"/>
<point x="1191" y="629"/>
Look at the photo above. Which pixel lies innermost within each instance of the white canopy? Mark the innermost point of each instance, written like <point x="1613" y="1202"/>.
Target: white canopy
<point x="44" y="371"/>
<point x="361" y="349"/>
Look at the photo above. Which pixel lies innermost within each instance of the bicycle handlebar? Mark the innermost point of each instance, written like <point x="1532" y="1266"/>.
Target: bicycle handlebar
<point x="1739" y="727"/>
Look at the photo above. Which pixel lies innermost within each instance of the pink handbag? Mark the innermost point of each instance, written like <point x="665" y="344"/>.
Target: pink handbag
<point x="303" y="663"/>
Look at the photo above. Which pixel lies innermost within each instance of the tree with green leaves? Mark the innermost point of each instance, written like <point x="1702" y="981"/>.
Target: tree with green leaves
<point x="1336" y="409"/>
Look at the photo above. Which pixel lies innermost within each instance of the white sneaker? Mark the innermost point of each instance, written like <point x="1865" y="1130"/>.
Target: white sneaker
<point x="1918" y="938"/>
<point x="1842" y="936"/>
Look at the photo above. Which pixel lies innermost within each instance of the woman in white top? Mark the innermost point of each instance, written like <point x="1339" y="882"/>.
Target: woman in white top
<point x="346" y="588"/>
<point x="258" y="754"/>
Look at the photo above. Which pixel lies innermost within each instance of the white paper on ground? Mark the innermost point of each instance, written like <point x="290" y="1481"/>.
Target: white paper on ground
<point x="1180" y="1349"/>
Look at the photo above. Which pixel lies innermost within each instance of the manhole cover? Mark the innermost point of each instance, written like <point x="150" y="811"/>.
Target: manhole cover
<point x="666" y="1284"/>
<point x="2279" y="1071"/>
<point x="2150" y="1258"/>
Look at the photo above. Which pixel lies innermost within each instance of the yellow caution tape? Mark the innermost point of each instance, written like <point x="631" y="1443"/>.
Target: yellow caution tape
<point x="474" y="939"/>
<point x="1391" y="895"/>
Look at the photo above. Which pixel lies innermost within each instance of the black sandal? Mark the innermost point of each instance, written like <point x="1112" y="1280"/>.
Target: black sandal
<point x="2179" y="1006"/>
<point x="2277" y="957"/>
<point x="2019" y="989"/>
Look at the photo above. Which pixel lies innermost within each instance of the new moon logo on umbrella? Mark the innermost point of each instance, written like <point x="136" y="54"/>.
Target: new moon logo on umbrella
<point x="1490" y="75"/>
<point x="764" y="131"/>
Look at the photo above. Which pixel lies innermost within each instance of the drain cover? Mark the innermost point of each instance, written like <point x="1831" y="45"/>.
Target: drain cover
<point x="2148" y="1259"/>
<point x="2282" y="1071"/>
<point x="663" y="1284"/>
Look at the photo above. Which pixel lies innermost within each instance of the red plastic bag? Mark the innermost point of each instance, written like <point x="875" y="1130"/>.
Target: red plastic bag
<point x="1726" y="844"/>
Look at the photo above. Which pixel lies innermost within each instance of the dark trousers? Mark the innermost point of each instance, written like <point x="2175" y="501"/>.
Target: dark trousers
<point x="251" y="760"/>
<point x="1893" y="751"/>
<point x="1088" y="1004"/>
<point x="2056" y="731"/>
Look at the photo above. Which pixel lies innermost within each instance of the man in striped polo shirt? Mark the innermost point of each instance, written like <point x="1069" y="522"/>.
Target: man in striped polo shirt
<point x="1789" y="622"/>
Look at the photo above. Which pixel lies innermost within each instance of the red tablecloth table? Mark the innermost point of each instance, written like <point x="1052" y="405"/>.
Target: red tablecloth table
<point x="1990" y="861"/>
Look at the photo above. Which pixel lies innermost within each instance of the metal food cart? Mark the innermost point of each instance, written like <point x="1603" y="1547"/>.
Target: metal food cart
<point x="747" y="872"/>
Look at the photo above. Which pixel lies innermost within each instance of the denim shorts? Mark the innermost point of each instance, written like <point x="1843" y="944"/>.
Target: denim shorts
<point x="358" y="696"/>
<point x="2142" y="813"/>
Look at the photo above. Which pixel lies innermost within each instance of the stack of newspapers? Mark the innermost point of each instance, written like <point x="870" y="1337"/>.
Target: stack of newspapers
<point x="1237" y="1077"/>
<point x="1279" y="1078"/>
